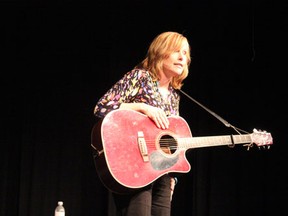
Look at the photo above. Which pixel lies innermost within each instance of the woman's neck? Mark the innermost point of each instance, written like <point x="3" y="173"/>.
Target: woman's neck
<point x="163" y="88"/>
<point x="164" y="83"/>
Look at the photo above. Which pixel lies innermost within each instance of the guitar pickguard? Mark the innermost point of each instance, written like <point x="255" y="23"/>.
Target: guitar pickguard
<point x="160" y="162"/>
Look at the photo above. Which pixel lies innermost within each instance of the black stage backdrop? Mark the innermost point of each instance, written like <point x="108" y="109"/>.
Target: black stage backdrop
<point x="59" y="58"/>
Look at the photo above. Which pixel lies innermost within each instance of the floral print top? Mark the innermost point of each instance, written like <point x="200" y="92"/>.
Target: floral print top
<point x="137" y="86"/>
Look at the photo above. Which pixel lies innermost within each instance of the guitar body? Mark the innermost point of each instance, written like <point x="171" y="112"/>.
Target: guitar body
<point x="131" y="153"/>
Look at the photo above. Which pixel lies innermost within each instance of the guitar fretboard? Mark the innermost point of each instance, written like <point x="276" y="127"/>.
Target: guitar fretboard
<point x="199" y="142"/>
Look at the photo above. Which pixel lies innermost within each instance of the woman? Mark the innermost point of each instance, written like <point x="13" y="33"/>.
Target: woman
<point x="151" y="88"/>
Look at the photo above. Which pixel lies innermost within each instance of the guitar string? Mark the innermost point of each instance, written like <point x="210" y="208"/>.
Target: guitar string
<point x="170" y="142"/>
<point x="173" y="143"/>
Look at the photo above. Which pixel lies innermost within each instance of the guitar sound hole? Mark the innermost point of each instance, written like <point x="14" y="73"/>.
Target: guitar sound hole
<point x="168" y="144"/>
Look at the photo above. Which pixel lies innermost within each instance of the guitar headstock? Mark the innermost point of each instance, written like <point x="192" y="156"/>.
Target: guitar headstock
<point x="261" y="138"/>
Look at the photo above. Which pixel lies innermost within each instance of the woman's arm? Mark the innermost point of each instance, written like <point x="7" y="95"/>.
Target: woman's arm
<point x="156" y="114"/>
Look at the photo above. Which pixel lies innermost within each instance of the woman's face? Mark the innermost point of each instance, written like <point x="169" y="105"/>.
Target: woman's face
<point x="175" y="63"/>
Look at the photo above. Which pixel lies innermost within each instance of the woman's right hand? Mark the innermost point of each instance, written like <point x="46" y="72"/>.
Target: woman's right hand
<point x="154" y="113"/>
<point x="157" y="115"/>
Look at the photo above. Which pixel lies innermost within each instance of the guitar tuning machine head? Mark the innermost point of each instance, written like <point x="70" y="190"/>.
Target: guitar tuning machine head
<point x="264" y="147"/>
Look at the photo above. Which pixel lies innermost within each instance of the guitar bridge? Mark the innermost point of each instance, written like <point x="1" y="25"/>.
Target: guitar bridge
<point x="142" y="146"/>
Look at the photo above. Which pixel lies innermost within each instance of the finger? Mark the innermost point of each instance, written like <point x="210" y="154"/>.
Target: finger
<point x="164" y="121"/>
<point x="157" y="120"/>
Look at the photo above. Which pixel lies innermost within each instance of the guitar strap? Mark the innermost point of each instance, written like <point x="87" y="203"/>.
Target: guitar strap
<point x="227" y="124"/>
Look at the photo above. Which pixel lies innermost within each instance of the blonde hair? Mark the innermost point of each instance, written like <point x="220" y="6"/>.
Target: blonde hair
<point x="160" y="48"/>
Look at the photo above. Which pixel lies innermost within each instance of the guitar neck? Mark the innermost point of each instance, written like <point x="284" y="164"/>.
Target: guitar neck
<point x="208" y="141"/>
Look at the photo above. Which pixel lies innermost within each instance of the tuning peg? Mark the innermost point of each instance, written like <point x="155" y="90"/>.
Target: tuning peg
<point x="267" y="147"/>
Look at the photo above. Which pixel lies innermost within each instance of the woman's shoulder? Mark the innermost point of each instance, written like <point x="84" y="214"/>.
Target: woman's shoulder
<point x="138" y="73"/>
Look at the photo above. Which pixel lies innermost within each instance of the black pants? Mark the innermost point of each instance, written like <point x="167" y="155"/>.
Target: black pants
<point x="153" y="200"/>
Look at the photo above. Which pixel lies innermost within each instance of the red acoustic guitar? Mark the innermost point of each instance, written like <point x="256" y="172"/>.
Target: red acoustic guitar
<point x="131" y="152"/>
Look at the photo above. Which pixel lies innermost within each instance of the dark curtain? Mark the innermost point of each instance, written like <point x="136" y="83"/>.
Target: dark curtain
<point x="59" y="58"/>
